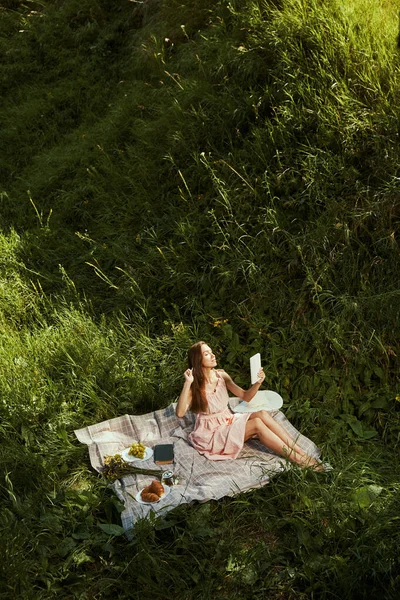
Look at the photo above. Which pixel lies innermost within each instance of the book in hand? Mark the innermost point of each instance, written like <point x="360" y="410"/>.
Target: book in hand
<point x="163" y="454"/>
<point x="255" y="366"/>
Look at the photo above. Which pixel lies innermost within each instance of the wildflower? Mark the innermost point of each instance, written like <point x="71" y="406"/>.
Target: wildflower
<point x="116" y="467"/>
<point x="218" y="323"/>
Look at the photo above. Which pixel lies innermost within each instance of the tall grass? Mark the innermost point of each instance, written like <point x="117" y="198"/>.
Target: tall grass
<point x="186" y="170"/>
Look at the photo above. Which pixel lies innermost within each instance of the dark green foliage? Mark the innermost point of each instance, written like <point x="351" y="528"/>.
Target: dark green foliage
<point x="173" y="171"/>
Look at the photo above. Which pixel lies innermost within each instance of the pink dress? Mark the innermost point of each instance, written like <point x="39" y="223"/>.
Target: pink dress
<point x="219" y="433"/>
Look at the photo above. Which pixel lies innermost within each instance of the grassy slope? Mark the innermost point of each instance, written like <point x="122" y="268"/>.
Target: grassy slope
<point x="180" y="170"/>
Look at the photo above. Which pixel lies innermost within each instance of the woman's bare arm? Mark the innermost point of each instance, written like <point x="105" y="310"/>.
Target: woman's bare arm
<point x="185" y="398"/>
<point x="245" y="395"/>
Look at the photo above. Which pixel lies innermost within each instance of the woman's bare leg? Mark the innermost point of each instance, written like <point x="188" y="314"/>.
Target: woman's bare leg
<point x="278" y="430"/>
<point x="256" y="426"/>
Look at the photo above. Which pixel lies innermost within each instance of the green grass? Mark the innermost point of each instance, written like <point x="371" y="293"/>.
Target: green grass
<point x="173" y="171"/>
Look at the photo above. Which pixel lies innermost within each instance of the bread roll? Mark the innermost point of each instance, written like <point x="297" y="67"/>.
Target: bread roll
<point x="149" y="497"/>
<point x="157" y="488"/>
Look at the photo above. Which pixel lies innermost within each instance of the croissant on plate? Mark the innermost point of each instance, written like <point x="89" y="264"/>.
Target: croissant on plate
<point x="149" y="497"/>
<point x="153" y="492"/>
<point x="157" y="488"/>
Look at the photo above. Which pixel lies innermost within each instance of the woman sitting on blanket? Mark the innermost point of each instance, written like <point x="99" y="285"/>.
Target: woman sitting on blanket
<point x="220" y="434"/>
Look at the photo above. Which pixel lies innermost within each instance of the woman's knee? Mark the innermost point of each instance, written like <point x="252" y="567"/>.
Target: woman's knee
<point x="257" y="424"/>
<point x="264" y="416"/>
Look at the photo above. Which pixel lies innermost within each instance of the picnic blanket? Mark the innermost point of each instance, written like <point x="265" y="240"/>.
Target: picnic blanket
<point x="200" y="479"/>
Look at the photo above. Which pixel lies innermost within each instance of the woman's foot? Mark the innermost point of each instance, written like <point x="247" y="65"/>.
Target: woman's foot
<point x="322" y="467"/>
<point x="308" y="462"/>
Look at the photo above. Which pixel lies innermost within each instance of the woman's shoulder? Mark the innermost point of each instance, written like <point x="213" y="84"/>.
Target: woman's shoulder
<point x="222" y="373"/>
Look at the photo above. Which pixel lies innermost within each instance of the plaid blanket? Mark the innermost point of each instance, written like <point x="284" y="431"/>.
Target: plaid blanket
<point x="200" y="479"/>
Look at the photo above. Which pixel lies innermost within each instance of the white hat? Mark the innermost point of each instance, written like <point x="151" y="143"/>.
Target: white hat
<point x="264" y="400"/>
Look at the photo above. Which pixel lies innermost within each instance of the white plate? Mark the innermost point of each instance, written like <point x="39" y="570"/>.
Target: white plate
<point x="148" y="453"/>
<point x="138" y="497"/>
<point x="264" y="400"/>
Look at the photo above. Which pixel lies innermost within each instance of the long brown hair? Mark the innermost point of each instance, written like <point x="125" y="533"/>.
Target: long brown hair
<point x="195" y="360"/>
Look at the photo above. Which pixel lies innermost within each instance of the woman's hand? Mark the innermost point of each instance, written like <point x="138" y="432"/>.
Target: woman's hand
<point x="189" y="376"/>
<point x="260" y="376"/>
<point x="185" y="399"/>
